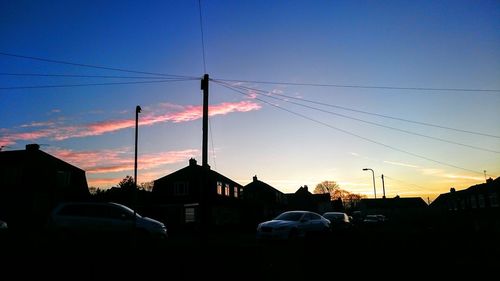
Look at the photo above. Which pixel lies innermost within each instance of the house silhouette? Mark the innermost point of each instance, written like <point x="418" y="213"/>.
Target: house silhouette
<point x="476" y="208"/>
<point x="198" y="195"/>
<point x="32" y="182"/>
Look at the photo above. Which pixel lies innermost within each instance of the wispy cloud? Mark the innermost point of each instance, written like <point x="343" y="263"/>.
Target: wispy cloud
<point x="401" y="164"/>
<point x="38" y="124"/>
<point x="119" y="160"/>
<point x="175" y="114"/>
<point x="99" y="182"/>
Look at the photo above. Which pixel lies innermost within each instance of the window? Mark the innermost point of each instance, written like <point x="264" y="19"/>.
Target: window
<point x="226" y="190"/>
<point x="181" y="188"/>
<point x="481" y="200"/>
<point x="493" y="200"/>
<point x="235" y="192"/>
<point x="473" y="201"/>
<point x="189" y="215"/>
<point x="219" y="188"/>
<point x="63" y="179"/>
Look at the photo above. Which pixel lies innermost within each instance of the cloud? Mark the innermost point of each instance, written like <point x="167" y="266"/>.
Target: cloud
<point x="38" y="124"/>
<point x="119" y="160"/>
<point x="401" y="164"/>
<point x="179" y="114"/>
<point x="463" y="177"/>
<point x="98" y="182"/>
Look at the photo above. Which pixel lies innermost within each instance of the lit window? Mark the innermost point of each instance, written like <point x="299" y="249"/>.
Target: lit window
<point x="226" y="190"/>
<point x="236" y="192"/>
<point x="219" y="188"/>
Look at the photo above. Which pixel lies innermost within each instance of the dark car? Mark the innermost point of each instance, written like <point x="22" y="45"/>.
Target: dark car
<point x="339" y="221"/>
<point x="102" y="219"/>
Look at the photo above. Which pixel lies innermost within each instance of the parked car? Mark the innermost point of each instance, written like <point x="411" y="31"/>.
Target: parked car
<point x="339" y="221"/>
<point x="293" y="224"/>
<point x="3" y="225"/>
<point x="77" y="219"/>
<point x="374" y="219"/>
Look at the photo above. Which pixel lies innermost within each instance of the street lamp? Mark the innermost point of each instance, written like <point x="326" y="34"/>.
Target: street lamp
<point x="137" y="111"/>
<point x="373" y="174"/>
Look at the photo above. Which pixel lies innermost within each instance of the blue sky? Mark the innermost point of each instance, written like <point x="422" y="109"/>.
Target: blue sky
<point x="429" y="44"/>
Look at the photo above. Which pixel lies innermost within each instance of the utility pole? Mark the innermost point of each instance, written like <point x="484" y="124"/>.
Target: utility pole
<point x="383" y="186"/>
<point x="204" y="87"/>
<point x="204" y="192"/>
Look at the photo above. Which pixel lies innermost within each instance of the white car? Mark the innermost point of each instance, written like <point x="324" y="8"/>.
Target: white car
<point x="81" y="218"/>
<point x="293" y="224"/>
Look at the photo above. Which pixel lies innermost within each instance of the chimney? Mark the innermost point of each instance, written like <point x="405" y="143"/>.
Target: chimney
<point x="306" y="188"/>
<point x="452" y="189"/>
<point x="192" y="162"/>
<point x="255" y="178"/>
<point x="32" y="147"/>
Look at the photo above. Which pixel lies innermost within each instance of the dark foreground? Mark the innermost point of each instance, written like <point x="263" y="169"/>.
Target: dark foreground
<point x="236" y="255"/>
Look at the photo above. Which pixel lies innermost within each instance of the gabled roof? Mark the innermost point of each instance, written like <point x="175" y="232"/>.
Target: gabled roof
<point x="260" y="185"/>
<point x="194" y="169"/>
<point x="478" y="188"/>
<point x="22" y="157"/>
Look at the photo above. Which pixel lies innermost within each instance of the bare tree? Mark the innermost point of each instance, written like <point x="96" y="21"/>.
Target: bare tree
<point x="328" y="187"/>
<point x="332" y="188"/>
<point x="127" y="183"/>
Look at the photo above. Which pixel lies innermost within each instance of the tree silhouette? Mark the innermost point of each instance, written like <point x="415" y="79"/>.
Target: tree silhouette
<point x="332" y="188"/>
<point x="127" y="183"/>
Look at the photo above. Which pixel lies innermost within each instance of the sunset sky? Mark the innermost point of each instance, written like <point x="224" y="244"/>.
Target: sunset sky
<point x="428" y="118"/>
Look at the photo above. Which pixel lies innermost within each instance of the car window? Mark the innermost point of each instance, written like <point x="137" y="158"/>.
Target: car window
<point x="314" y="216"/>
<point x="292" y="216"/>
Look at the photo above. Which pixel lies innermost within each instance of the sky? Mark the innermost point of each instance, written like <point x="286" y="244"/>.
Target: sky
<point x="410" y="89"/>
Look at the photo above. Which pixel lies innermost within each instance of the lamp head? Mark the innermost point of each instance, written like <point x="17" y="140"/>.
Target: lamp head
<point x="365" y="169"/>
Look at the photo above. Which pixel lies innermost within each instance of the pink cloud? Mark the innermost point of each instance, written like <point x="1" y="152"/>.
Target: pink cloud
<point x="119" y="160"/>
<point x="181" y="114"/>
<point x="107" y="182"/>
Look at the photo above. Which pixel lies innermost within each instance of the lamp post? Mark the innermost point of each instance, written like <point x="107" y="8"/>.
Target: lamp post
<point x="373" y="174"/>
<point x="137" y="111"/>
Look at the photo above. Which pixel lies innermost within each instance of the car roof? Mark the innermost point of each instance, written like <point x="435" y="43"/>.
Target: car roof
<point x="334" y="213"/>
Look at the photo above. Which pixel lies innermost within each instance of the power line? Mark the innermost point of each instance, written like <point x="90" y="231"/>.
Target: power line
<point x="81" y="76"/>
<point x="202" y="38"/>
<point x="412" y="184"/>
<point x="362" y="86"/>
<point x="93" y="66"/>
<point x="374" y="114"/>
<point x="91" y="84"/>
<point x="381" y="125"/>
<point x="353" y="134"/>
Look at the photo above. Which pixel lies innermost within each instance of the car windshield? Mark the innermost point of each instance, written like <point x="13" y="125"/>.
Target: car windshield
<point x="334" y="216"/>
<point x="292" y="216"/>
<point x="130" y="211"/>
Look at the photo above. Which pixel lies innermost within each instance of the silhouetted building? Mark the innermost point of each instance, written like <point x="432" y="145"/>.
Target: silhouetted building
<point x="302" y="199"/>
<point x="476" y="208"/>
<point x="197" y="194"/>
<point x="400" y="211"/>
<point x="32" y="182"/>
<point x="262" y="201"/>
